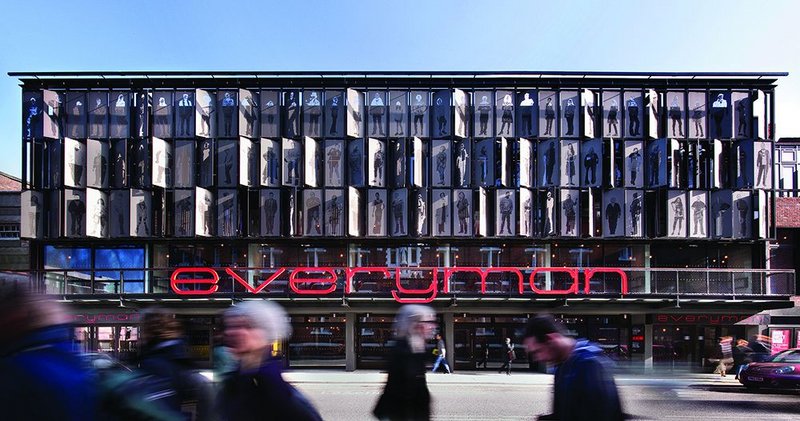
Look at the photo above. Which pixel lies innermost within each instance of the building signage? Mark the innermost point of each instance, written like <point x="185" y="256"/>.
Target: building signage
<point x="699" y="319"/>
<point x="319" y="281"/>
<point x="106" y="318"/>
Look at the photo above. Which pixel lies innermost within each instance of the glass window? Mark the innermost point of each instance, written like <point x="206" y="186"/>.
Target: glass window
<point x="119" y="258"/>
<point x="67" y="258"/>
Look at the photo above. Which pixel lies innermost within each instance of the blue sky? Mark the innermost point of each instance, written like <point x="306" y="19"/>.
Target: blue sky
<point x="400" y="35"/>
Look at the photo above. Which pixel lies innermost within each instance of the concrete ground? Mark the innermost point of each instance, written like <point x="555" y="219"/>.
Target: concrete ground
<point x="483" y="395"/>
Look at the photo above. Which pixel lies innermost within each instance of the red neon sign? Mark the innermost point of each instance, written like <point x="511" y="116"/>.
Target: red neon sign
<point x="203" y="281"/>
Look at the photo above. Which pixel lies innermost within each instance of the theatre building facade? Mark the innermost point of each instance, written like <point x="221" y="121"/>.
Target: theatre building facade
<point x="638" y="208"/>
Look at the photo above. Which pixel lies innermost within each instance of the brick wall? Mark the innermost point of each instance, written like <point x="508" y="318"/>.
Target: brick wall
<point x="787" y="212"/>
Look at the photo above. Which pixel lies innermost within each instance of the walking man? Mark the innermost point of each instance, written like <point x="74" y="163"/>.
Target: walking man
<point x="508" y="357"/>
<point x="441" y="353"/>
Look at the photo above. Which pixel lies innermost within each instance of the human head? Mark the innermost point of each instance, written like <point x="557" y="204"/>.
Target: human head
<point x="185" y="96"/>
<point x="252" y="326"/>
<point x="546" y="340"/>
<point x="508" y="340"/>
<point x="415" y="320"/>
<point x="21" y="312"/>
<point x="158" y="325"/>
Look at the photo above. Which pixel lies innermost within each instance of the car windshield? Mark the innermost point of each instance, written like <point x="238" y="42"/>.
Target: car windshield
<point x="790" y="356"/>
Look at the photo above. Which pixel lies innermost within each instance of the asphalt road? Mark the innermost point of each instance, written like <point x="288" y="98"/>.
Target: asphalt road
<point x="482" y="396"/>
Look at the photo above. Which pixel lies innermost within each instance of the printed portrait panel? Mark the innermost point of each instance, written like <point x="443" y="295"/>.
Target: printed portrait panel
<point x="140" y="163"/>
<point x="291" y="201"/>
<point x="463" y="169"/>
<point x="742" y="115"/>
<point x="677" y="223"/>
<point x="75" y="213"/>
<point x="721" y="214"/>
<point x="312" y="162"/>
<point x="54" y="214"/>
<point x="570" y="110"/>
<point x="482" y="216"/>
<point x="570" y="163"/>
<point x="761" y="216"/>
<point x="97" y="160"/>
<point x="74" y="163"/>
<point x="355" y="162"/>
<point x="697" y="115"/>
<point x="508" y="169"/>
<point x="676" y="125"/>
<point x="719" y="111"/>
<point x="398" y="212"/>
<point x="505" y="213"/>
<point x="442" y="114"/>
<point x="334" y="114"/>
<point x="118" y="160"/>
<point x="270" y="153"/>
<point x="634" y="163"/>
<point x="589" y="111"/>
<point x="440" y="151"/>
<point x="462" y="213"/>
<point x="248" y="162"/>
<point x="744" y="161"/>
<point x="270" y="212"/>
<point x="614" y="213"/>
<point x="418" y="162"/>
<point x="527" y="113"/>
<point x="205" y="113"/>
<point x="184" y="213"/>
<point x="376" y="162"/>
<point x="32" y="111"/>
<point x="269" y="108"/>
<point x="162" y="114"/>
<point x="678" y="166"/>
<point x="376" y="213"/>
<point x="184" y="163"/>
<point x="398" y="162"/>
<point x="354" y="214"/>
<point x="52" y="110"/>
<point x="31" y="222"/>
<point x="312" y="113"/>
<point x="720" y="166"/>
<point x="184" y="114"/>
<point x="612" y="114"/>
<point x="634" y="213"/>
<point x="763" y="164"/>
<point x="227" y="115"/>
<point x="440" y="212"/>
<point x="207" y="159"/>
<point x="227" y="163"/>
<point x="119" y="213"/>
<point x="526" y="209"/>
<point x="292" y="162"/>
<point x="461" y="116"/>
<point x="419" y="113"/>
<point x="527" y="167"/>
<point x="97" y="104"/>
<point x="204" y="212"/>
<point x="398" y="113"/>
<point x="570" y="213"/>
<point x="420" y="212"/>
<point x="76" y="115"/>
<point x="634" y="113"/>
<point x="143" y="103"/>
<point x="141" y="211"/>
<point x="334" y="213"/>
<point x="484" y="163"/>
<point x="97" y="213"/>
<point x="227" y="213"/>
<point x="504" y="117"/>
<point x="657" y="163"/>
<point x="119" y="112"/>
<point x="313" y="213"/>
<point x="698" y="214"/>
<point x="376" y="103"/>
<point x="334" y="163"/>
<point x="546" y="215"/>
<point x="654" y="108"/>
<point x="549" y="163"/>
<point x="548" y="114"/>
<point x="291" y="113"/>
<point x="758" y="112"/>
<point x="355" y="113"/>
<point x="742" y="214"/>
<point x="248" y="113"/>
<point x="160" y="167"/>
<point x="483" y="114"/>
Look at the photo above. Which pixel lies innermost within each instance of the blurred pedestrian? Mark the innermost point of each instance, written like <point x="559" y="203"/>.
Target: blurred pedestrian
<point x="741" y="356"/>
<point x="43" y="377"/>
<point x="484" y="355"/>
<point x="257" y="389"/>
<point x="406" y="396"/>
<point x="583" y="387"/>
<point x="222" y="359"/>
<point x="170" y="374"/>
<point x="441" y="355"/>
<point x="508" y="356"/>
<point x="760" y="344"/>
<point x="726" y="355"/>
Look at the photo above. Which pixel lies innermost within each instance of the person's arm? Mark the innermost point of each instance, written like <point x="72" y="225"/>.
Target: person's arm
<point x="595" y="388"/>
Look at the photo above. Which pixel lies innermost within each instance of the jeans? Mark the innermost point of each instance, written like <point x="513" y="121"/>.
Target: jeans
<point x="440" y="360"/>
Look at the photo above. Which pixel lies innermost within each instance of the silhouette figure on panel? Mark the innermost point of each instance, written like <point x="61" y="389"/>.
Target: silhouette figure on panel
<point x="141" y="219"/>
<point x="334" y="158"/>
<point x="334" y="214"/>
<point x="378" y="160"/>
<point x="185" y="108"/>
<point x="741" y="111"/>
<point x="569" y="117"/>
<point x="613" y="212"/>
<point x="676" y="116"/>
<point x="441" y="214"/>
<point x="655" y="164"/>
<point x="291" y="115"/>
<point x="612" y="120"/>
<point x="441" y="164"/>
<point x="292" y="163"/>
<point x="484" y="109"/>
<point x="634" y="164"/>
<point x="228" y="108"/>
<point x="549" y="228"/>
<point x="762" y="164"/>
<point x="376" y="110"/>
<point x="483" y="161"/>
<point x="697" y="118"/>
<point x="719" y="108"/>
<point x="743" y="208"/>
<point x="677" y="216"/>
<point x="442" y="111"/>
<point x="570" y="165"/>
<point x="398" y="118"/>
<point x="506" y="208"/>
<point x="355" y="166"/>
<point x="636" y="211"/>
<point x="314" y="210"/>
<point x="550" y="162"/>
<point x="590" y="162"/>
<point x="270" y="209"/>
<point x="568" y="206"/>
<point x="420" y="214"/>
<point x="418" y="109"/>
<point x="462" y="206"/>
<point x="698" y="217"/>
<point x="98" y="118"/>
<point x="377" y="214"/>
<point x="397" y="211"/>
<point x="76" y="209"/>
<point x="633" y="117"/>
<point x="461" y="164"/>
<point x="507" y="119"/>
<point x="526" y="216"/>
<point x="250" y="111"/>
<point x="526" y="106"/>
<point x="334" y="108"/>
<point x="313" y="113"/>
<point x="549" y="116"/>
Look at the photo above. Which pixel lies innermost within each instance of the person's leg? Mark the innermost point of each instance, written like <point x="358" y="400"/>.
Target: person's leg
<point x="436" y="364"/>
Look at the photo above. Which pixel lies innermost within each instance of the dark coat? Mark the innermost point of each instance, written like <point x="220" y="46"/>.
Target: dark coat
<point x="406" y="395"/>
<point x="584" y="387"/>
<point x="263" y="394"/>
<point x="43" y="378"/>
